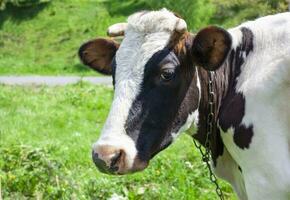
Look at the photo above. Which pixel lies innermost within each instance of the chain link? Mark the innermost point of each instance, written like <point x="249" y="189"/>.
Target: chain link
<point x="206" y="154"/>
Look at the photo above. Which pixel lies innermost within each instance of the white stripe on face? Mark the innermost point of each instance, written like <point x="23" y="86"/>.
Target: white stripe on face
<point x="143" y="38"/>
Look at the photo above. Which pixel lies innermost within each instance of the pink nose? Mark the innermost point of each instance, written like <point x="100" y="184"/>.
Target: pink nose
<point x="108" y="159"/>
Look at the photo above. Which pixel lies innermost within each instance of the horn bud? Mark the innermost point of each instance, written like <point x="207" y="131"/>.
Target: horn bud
<point x="117" y="30"/>
<point x="181" y="26"/>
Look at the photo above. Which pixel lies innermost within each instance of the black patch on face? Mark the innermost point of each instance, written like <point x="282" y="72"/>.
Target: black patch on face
<point x="233" y="105"/>
<point x="161" y="107"/>
<point x="114" y="64"/>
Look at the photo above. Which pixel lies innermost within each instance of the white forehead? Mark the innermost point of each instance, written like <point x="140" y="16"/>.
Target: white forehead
<point x="146" y="33"/>
<point x="155" y="21"/>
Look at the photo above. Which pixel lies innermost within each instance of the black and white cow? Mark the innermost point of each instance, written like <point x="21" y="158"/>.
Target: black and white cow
<point x="160" y="76"/>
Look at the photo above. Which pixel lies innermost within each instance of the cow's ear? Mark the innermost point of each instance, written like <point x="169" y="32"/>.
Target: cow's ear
<point x="98" y="54"/>
<point x="210" y="47"/>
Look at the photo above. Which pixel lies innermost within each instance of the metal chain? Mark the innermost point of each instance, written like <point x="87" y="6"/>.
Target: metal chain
<point x="206" y="154"/>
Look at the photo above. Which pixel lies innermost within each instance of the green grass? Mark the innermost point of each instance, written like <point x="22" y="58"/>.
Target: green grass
<point x="46" y="135"/>
<point x="44" y="39"/>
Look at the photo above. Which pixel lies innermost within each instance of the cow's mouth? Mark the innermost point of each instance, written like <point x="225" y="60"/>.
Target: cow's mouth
<point x="118" y="164"/>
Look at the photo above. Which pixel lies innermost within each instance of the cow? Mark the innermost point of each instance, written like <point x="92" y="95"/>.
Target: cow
<point x="160" y="75"/>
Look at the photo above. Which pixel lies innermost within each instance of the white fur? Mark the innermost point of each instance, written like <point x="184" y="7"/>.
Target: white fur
<point x="228" y="169"/>
<point x="264" y="81"/>
<point x="144" y="36"/>
<point x="196" y="113"/>
<point x="198" y="86"/>
<point x="156" y="21"/>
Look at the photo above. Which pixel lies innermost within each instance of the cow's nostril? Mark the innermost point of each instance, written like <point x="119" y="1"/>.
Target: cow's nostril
<point x="116" y="158"/>
<point x="100" y="164"/>
<point x="95" y="156"/>
<point x="108" y="163"/>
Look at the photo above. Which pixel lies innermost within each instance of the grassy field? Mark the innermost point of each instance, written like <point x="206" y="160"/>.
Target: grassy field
<point x="44" y="39"/>
<point x="46" y="135"/>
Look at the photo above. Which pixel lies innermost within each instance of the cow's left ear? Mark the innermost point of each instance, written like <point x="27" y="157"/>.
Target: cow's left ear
<point x="210" y="47"/>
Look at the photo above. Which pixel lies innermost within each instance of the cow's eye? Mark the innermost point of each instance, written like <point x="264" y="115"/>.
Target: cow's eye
<point x="167" y="74"/>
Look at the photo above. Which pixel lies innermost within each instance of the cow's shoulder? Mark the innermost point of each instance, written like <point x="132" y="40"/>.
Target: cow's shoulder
<point x="267" y="67"/>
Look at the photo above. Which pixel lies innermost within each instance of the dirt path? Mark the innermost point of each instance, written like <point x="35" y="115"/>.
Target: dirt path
<point x="53" y="80"/>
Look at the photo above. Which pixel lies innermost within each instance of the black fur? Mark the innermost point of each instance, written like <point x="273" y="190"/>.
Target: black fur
<point x="161" y="107"/>
<point x="233" y="106"/>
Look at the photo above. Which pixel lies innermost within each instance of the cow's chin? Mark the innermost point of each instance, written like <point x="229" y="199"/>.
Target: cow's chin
<point x="140" y="165"/>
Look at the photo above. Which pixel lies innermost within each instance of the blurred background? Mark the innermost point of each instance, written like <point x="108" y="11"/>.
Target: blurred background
<point x="42" y="36"/>
<point x="46" y="132"/>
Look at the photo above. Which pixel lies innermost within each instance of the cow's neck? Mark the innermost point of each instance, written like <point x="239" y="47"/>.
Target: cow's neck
<point x="220" y="89"/>
<point x="227" y="99"/>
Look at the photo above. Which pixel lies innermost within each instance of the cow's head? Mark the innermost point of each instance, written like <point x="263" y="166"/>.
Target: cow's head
<point x="156" y="85"/>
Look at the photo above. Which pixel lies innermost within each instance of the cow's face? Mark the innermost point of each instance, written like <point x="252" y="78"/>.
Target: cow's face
<point x="156" y="85"/>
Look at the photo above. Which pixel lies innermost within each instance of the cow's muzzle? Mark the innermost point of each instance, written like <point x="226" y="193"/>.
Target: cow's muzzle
<point x="111" y="160"/>
<point x="109" y="165"/>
